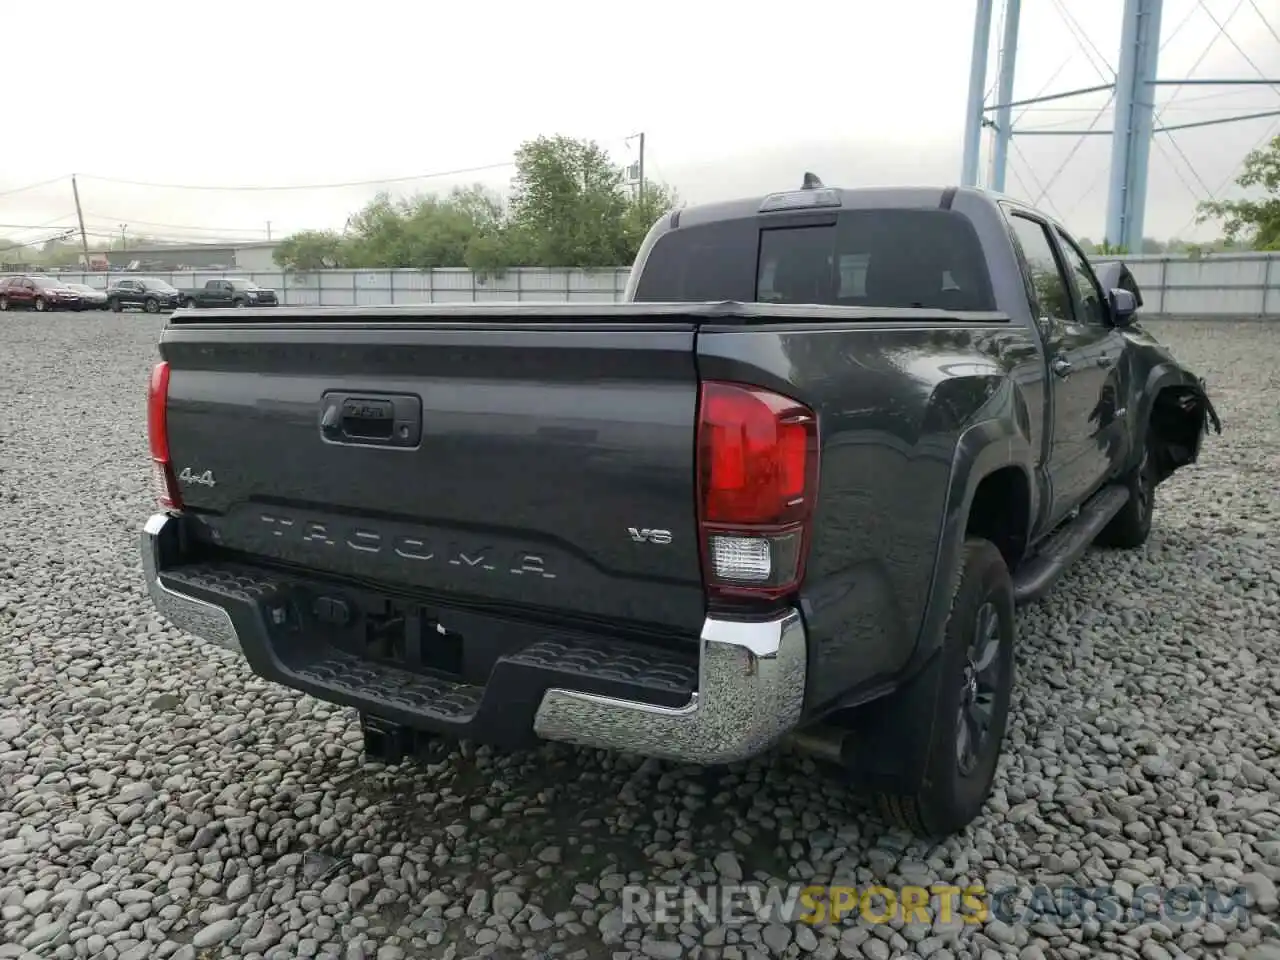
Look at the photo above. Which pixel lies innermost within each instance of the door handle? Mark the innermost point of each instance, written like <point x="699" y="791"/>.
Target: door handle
<point x="1061" y="366"/>
<point x="1106" y="360"/>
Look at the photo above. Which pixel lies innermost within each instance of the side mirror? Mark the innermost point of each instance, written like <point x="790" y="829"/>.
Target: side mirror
<point x="1116" y="275"/>
<point x="1123" y="306"/>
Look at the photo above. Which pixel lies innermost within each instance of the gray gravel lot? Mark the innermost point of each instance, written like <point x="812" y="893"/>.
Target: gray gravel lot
<point x="158" y="800"/>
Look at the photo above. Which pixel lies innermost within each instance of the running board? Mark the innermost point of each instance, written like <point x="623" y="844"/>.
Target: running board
<point x="1036" y="577"/>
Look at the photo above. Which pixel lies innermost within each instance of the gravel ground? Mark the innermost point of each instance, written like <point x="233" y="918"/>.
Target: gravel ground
<point x="158" y="800"/>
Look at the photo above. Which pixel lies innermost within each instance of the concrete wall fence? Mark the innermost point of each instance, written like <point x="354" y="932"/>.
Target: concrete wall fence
<point x="1218" y="285"/>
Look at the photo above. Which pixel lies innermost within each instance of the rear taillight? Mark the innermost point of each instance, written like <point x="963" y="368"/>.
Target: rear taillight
<point x="166" y="485"/>
<point x="757" y="483"/>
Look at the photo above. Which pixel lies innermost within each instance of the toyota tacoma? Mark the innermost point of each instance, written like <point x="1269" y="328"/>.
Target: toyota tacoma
<point x="788" y="493"/>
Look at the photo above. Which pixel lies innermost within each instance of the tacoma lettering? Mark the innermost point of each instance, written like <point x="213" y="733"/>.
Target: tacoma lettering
<point x="417" y="549"/>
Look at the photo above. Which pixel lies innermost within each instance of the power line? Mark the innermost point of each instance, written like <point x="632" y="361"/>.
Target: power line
<point x="174" y="226"/>
<point x="1082" y="39"/>
<point x="1044" y="191"/>
<point x="1177" y="171"/>
<point x="1267" y="23"/>
<point x="1076" y="149"/>
<point x="1222" y="30"/>
<point x="462" y="171"/>
<point x="1176" y="30"/>
<point x="68" y="232"/>
<point x="1266" y="135"/>
<point x="1209" y="195"/>
<point x="34" y="226"/>
<point x="1039" y="93"/>
<point x="1102" y="175"/>
<point x="32" y="186"/>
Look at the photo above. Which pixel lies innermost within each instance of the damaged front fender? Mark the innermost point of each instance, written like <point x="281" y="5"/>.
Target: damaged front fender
<point x="1181" y="415"/>
<point x="1210" y="414"/>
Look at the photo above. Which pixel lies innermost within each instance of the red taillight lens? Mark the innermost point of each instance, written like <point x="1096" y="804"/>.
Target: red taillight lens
<point x="757" y="483"/>
<point x="166" y="486"/>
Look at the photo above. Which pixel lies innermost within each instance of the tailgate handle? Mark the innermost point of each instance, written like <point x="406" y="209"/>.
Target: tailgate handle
<point x="374" y="419"/>
<point x="377" y="420"/>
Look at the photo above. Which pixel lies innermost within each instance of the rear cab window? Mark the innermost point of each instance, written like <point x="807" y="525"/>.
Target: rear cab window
<point x="895" y="257"/>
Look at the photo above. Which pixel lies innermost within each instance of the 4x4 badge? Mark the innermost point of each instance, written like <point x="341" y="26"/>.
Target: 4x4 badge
<point x="206" y="478"/>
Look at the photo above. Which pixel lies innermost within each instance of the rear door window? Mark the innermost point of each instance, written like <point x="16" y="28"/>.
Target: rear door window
<point x="707" y="262"/>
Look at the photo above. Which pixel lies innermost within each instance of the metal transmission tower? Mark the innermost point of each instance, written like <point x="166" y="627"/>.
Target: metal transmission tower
<point x="1132" y="85"/>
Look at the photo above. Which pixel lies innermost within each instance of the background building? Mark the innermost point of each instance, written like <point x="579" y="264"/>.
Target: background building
<point x="249" y="257"/>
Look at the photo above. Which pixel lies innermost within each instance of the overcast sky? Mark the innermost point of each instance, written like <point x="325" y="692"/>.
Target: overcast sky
<point x="735" y="98"/>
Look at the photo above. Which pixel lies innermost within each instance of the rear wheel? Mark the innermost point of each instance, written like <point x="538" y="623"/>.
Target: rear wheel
<point x="1130" y="527"/>
<point x="4" y="303"/>
<point x="950" y="719"/>
<point x="41" y="305"/>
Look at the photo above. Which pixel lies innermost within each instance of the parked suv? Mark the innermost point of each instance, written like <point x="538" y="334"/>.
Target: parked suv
<point x="37" y="293"/>
<point x="150" y="294"/>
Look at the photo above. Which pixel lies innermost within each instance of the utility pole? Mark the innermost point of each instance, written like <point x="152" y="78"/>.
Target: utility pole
<point x="123" y="243"/>
<point x="84" y="237"/>
<point x="268" y="231"/>
<point x="642" y="171"/>
<point x="639" y="166"/>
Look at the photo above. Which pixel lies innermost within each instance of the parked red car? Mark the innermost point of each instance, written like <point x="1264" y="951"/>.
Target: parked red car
<point x="34" y="292"/>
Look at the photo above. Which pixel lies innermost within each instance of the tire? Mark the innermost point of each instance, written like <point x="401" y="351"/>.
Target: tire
<point x="973" y="673"/>
<point x="116" y="305"/>
<point x="151" y="305"/>
<point x="241" y="303"/>
<point x="189" y="304"/>
<point x="1130" y="528"/>
<point x="41" y="306"/>
<point x="4" y="303"/>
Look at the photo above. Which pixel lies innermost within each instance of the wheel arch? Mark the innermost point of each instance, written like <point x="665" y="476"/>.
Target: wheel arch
<point x="995" y="449"/>
<point x="1173" y="415"/>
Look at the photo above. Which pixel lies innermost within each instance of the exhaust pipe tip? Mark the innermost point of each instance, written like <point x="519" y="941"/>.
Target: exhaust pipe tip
<point x="824" y="742"/>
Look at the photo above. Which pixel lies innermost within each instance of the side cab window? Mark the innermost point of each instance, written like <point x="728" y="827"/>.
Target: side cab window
<point x="1047" y="287"/>
<point x="1091" y="307"/>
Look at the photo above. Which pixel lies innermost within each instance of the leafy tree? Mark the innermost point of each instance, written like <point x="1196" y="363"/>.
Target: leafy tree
<point x="1108" y="249"/>
<point x="568" y="203"/>
<point x="311" y="250"/>
<point x="570" y="207"/>
<point x="1256" y="221"/>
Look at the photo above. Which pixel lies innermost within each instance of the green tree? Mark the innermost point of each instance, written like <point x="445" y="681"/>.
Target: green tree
<point x="570" y="206"/>
<point x="466" y="227"/>
<point x="311" y="250"/>
<point x="1254" y="221"/>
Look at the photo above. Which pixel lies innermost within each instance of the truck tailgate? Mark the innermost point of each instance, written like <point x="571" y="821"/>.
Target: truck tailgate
<point x="519" y="465"/>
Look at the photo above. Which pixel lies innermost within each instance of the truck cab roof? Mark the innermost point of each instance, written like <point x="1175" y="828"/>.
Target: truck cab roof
<point x="851" y="198"/>
<point x="912" y="247"/>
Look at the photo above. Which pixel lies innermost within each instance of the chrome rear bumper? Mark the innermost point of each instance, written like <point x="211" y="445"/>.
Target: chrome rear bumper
<point x="750" y="692"/>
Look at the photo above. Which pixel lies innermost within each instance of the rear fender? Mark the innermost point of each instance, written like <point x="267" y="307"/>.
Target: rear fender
<point x="891" y="738"/>
<point x="981" y="450"/>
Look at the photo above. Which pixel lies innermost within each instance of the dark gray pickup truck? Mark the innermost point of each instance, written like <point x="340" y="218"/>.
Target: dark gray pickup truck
<point x="228" y="293"/>
<point x="790" y="492"/>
